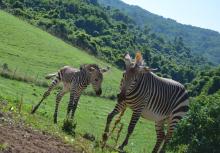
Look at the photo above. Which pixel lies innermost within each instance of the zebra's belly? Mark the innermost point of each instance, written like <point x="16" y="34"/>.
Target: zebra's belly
<point x="149" y="115"/>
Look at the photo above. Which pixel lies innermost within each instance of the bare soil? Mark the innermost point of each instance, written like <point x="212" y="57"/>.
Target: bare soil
<point x="20" y="139"/>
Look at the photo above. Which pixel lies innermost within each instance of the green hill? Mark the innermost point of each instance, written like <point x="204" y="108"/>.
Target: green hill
<point x="202" y="41"/>
<point x="29" y="51"/>
<point x="108" y="33"/>
<point x="35" y="52"/>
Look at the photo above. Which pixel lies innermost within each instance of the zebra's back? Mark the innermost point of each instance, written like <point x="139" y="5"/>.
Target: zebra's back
<point x="66" y="74"/>
<point x="160" y="96"/>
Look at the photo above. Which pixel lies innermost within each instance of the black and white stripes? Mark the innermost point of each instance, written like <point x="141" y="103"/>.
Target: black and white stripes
<point x="74" y="81"/>
<point x="153" y="98"/>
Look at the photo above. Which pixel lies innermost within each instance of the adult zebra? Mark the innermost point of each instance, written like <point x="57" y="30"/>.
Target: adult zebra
<point x="152" y="97"/>
<point x="74" y="81"/>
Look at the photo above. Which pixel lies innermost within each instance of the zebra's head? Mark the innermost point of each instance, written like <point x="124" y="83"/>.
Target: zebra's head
<point x="96" y="76"/>
<point x="137" y="65"/>
<point x="134" y="68"/>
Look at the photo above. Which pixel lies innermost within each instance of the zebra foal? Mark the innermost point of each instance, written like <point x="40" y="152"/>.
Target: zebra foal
<point x="151" y="97"/>
<point x="74" y="81"/>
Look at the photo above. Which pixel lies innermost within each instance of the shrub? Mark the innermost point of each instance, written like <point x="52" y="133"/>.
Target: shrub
<point x="199" y="130"/>
<point x="215" y="85"/>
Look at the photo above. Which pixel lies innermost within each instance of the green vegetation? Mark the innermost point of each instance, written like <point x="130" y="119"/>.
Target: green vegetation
<point x="107" y="34"/>
<point x="25" y="50"/>
<point x="201" y="41"/>
<point x="206" y="83"/>
<point x="3" y="147"/>
<point x="199" y="131"/>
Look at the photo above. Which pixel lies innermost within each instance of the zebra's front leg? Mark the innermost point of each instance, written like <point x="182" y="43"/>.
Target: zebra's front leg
<point x="111" y="115"/>
<point x="58" y="99"/>
<point x="134" y="119"/>
<point x="74" y="106"/>
<point x="73" y="102"/>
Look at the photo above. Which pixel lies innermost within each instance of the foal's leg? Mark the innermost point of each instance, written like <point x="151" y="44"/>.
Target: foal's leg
<point x="58" y="99"/>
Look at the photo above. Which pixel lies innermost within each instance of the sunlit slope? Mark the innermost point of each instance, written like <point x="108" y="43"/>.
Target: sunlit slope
<point x="36" y="52"/>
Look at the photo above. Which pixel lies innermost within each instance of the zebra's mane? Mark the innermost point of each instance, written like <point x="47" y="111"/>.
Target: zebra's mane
<point x="89" y="65"/>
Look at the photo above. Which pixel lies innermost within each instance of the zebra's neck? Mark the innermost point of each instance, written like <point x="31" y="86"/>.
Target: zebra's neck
<point x="142" y="81"/>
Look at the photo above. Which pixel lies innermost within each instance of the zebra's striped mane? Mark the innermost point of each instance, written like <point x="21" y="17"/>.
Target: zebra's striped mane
<point x="90" y="65"/>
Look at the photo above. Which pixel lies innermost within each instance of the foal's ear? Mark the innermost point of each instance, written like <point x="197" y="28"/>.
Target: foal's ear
<point x="103" y="70"/>
<point x="91" y="69"/>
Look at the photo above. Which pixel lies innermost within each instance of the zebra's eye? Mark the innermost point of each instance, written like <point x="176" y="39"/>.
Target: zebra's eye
<point x="96" y="79"/>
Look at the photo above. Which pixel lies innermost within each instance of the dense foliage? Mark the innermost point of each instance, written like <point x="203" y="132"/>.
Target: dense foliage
<point x="201" y="41"/>
<point x="206" y="82"/>
<point x="107" y="34"/>
<point x="200" y="130"/>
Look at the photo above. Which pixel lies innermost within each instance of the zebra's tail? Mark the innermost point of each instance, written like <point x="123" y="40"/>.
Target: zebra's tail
<point x="49" y="76"/>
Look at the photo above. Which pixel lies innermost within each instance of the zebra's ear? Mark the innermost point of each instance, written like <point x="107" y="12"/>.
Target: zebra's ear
<point x="103" y="70"/>
<point x="91" y="69"/>
<point x="139" y="59"/>
<point x="128" y="60"/>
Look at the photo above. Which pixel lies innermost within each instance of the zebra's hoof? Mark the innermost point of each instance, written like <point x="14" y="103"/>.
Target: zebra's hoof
<point x="162" y="151"/>
<point x="55" y="121"/>
<point x="120" y="149"/>
<point x="104" y="137"/>
<point x="32" y="111"/>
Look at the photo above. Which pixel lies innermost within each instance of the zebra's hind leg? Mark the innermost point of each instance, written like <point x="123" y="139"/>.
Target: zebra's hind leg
<point x="58" y="99"/>
<point x="174" y="118"/>
<point x="172" y="122"/>
<point x="46" y="94"/>
<point x="159" y="126"/>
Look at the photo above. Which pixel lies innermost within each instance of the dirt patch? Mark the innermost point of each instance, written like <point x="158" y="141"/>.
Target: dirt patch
<point x="18" y="139"/>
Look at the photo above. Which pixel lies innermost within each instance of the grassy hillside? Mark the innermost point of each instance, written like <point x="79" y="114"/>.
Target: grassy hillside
<point x="33" y="52"/>
<point x="202" y="41"/>
<point x="108" y="33"/>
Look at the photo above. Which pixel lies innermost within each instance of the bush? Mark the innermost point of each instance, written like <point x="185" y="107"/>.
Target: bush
<point x="215" y="86"/>
<point x="199" y="131"/>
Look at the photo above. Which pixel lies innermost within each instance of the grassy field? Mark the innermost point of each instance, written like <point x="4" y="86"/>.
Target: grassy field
<point x="33" y="52"/>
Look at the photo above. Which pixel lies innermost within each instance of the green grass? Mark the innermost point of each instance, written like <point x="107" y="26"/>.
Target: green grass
<point x="3" y="147"/>
<point x="34" y="52"/>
